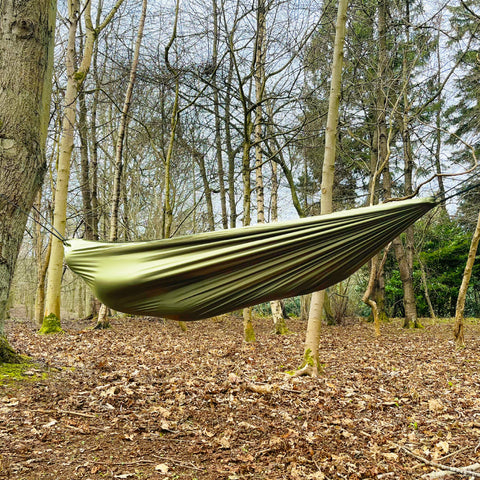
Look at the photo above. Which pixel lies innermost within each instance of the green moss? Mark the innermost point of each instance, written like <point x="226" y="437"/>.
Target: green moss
<point x="311" y="361"/>
<point x="26" y="370"/>
<point x="7" y="353"/>
<point x="51" y="324"/>
<point x="308" y="359"/>
<point x="79" y="77"/>
<point x="182" y="325"/>
<point x="249" y="333"/>
<point x="281" y="328"/>
<point x="105" y="325"/>
<point x="412" y="324"/>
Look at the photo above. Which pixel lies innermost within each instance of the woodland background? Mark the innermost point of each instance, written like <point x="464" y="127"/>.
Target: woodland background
<point x="226" y="124"/>
<point x="176" y="118"/>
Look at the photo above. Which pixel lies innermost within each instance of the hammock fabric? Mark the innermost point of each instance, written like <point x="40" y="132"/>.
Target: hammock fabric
<point x="200" y="276"/>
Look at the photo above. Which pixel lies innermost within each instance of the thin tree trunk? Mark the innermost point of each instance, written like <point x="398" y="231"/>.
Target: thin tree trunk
<point x="51" y="321"/>
<point x="200" y="159"/>
<point x="75" y="79"/>
<point x="438" y="121"/>
<point x="85" y="168"/>
<point x="311" y="353"/>
<point x="230" y="151"/>
<point x="375" y="293"/>
<point x="425" y="288"/>
<point x="280" y="326"/>
<point x="103" y="321"/>
<point x="409" y="300"/>
<point x="216" y="106"/>
<point x="40" y="292"/>
<point x="458" y="329"/>
<point x="248" y="331"/>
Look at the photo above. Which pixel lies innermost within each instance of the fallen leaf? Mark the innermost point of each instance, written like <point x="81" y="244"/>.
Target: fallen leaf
<point x="162" y="468"/>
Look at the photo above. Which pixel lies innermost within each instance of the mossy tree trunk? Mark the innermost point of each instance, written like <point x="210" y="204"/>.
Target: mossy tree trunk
<point x="26" y="61"/>
<point x="462" y="293"/>
<point x="75" y="80"/>
<point x="311" y="364"/>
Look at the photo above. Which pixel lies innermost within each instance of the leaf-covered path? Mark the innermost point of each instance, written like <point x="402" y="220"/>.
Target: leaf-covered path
<point x="146" y="400"/>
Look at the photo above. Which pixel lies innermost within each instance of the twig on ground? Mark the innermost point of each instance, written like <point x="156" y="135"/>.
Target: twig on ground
<point x="462" y="471"/>
<point x="445" y="456"/>
<point x="67" y="412"/>
<point x="181" y="464"/>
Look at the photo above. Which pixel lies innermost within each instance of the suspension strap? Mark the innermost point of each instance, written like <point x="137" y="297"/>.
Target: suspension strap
<point x="51" y="229"/>
<point x="463" y="190"/>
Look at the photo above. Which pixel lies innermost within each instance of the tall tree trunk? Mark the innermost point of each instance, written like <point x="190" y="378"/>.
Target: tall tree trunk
<point x="51" y="321"/>
<point x="404" y="252"/>
<point x="248" y="331"/>
<point x="75" y="79"/>
<point x="230" y="151"/>
<point x="438" y="139"/>
<point x="311" y="353"/>
<point x="102" y="321"/>
<point x="84" y="167"/>
<point x="216" y="106"/>
<point x="375" y="293"/>
<point x="458" y="328"/>
<point x="279" y="323"/>
<point x="26" y="62"/>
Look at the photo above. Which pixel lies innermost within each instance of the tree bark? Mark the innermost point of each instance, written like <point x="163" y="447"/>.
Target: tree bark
<point x="51" y="321"/>
<point x="216" y="107"/>
<point x="102" y="321"/>
<point x="458" y="328"/>
<point x="405" y="252"/>
<point x="75" y="79"/>
<point x="26" y="61"/>
<point x="311" y="365"/>
<point x="279" y="323"/>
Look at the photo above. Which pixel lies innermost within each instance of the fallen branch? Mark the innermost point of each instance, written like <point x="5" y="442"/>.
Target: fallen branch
<point x="179" y="463"/>
<point x="444" y="473"/>
<point x="67" y="412"/>
<point x="462" y="471"/>
<point x="446" y="456"/>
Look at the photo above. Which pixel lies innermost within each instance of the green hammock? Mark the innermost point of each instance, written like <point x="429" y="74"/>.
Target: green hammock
<point x="200" y="276"/>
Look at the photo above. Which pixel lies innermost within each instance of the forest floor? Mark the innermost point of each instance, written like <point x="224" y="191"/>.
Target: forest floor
<point x="145" y="400"/>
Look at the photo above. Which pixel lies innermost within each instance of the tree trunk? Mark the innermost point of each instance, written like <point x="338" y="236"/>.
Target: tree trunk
<point x="40" y="293"/>
<point x="216" y="106"/>
<point x="51" y="321"/>
<point x="279" y="323"/>
<point x="311" y="356"/>
<point x="425" y="288"/>
<point x="374" y="295"/>
<point x="200" y="160"/>
<point x="462" y="293"/>
<point x="102" y="321"/>
<point x="230" y="151"/>
<point x="26" y="62"/>
<point x="406" y="253"/>
<point x="85" y="168"/>
<point x="75" y="79"/>
<point x="248" y="331"/>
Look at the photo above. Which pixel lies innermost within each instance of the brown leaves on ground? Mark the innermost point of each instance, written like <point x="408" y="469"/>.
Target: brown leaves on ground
<point x="146" y="400"/>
